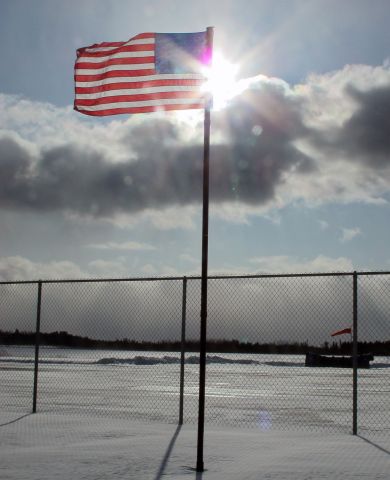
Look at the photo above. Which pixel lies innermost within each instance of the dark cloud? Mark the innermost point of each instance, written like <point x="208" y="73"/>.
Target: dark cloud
<point x="365" y="136"/>
<point x="367" y="132"/>
<point x="259" y="130"/>
<point x="260" y="127"/>
<point x="15" y="163"/>
<point x="255" y="147"/>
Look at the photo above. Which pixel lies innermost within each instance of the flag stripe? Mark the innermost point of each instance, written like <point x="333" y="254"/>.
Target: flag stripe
<point x="113" y="68"/>
<point x="120" y="62"/>
<point x="143" y="103"/>
<point x="139" y="97"/>
<point x="111" y="81"/>
<point x="119" y="53"/>
<point x="142" y="44"/>
<point x="124" y="48"/>
<point x="114" y="74"/>
<point x="140" y="109"/>
<point x="141" y="39"/>
<point x="115" y="77"/>
<point x="137" y="91"/>
<point x="119" y="85"/>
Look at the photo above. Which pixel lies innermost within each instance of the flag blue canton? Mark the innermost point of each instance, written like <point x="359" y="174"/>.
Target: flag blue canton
<point x="180" y="53"/>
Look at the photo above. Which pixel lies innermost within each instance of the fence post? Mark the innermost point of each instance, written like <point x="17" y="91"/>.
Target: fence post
<point x="37" y="342"/>
<point x="355" y="354"/>
<point x="182" y="355"/>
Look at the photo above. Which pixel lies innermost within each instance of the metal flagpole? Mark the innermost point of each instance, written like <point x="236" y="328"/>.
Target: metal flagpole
<point x="203" y="293"/>
<point x="354" y="335"/>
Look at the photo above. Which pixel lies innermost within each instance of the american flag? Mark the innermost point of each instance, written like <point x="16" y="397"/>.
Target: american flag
<point x="150" y="72"/>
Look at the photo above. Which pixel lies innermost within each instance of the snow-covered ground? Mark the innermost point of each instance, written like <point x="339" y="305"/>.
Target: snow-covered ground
<point x="270" y="391"/>
<point x="62" y="447"/>
<point x="110" y="414"/>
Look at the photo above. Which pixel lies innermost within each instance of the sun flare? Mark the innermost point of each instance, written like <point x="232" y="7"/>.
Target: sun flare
<point x="221" y="80"/>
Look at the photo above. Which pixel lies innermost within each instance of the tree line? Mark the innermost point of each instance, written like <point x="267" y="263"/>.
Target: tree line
<point x="68" y="340"/>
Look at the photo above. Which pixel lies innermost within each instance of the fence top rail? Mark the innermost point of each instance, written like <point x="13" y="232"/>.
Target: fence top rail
<point x="193" y="277"/>
<point x="91" y="280"/>
<point x="289" y="275"/>
<point x="373" y="273"/>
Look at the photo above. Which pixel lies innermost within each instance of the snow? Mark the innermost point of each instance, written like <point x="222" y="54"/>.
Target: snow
<point x="111" y="415"/>
<point x="47" y="446"/>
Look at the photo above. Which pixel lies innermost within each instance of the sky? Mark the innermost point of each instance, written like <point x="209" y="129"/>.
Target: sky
<point x="300" y="154"/>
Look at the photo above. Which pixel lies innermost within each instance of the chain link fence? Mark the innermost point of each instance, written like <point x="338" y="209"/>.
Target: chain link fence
<point x="374" y="335"/>
<point x="280" y="319"/>
<point x="130" y="349"/>
<point x="17" y="314"/>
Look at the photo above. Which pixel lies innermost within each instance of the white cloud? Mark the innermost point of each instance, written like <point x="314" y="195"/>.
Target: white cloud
<point x="281" y="264"/>
<point x="18" y="268"/>
<point x="148" y="269"/>
<point x="237" y="213"/>
<point x="349" y="233"/>
<point x="287" y="264"/>
<point x="47" y="126"/>
<point x="326" y="103"/>
<point x="186" y="257"/>
<point x="172" y="218"/>
<point x="108" y="269"/>
<point x="132" y="246"/>
<point x="169" y="271"/>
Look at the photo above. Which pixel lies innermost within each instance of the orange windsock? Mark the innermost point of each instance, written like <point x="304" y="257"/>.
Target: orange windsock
<point x="341" y="332"/>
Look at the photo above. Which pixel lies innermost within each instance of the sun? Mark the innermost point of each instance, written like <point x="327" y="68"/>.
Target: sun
<point x="221" y="80"/>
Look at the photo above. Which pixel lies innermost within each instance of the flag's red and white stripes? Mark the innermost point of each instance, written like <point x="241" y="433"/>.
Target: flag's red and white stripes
<point x="116" y="77"/>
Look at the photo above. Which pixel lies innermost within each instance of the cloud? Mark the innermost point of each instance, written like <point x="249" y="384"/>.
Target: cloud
<point x="148" y="269"/>
<point x="107" y="269"/>
<point x="186" y="257"/>
<point x="132" y="246"/>
<point x="349" y="233"/>
<point x="286" y="264"/>
<point x="177" y="217"/>
<point x="162" y="171"/>
<point x="19" y="268"/>
<point x="365" y="135"/>
<point x="81" y="180"/>
<point x="326" y="139"/>
<point x="170" y="218"/>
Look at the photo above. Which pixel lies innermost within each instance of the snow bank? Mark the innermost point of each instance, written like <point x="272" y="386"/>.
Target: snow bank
<point x="162" y="360"/>
<point x="144" y="360"/>
<point x="137" y="360"/>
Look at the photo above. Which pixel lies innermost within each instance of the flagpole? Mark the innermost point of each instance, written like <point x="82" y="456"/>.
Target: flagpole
<point x="203" y="292"/>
